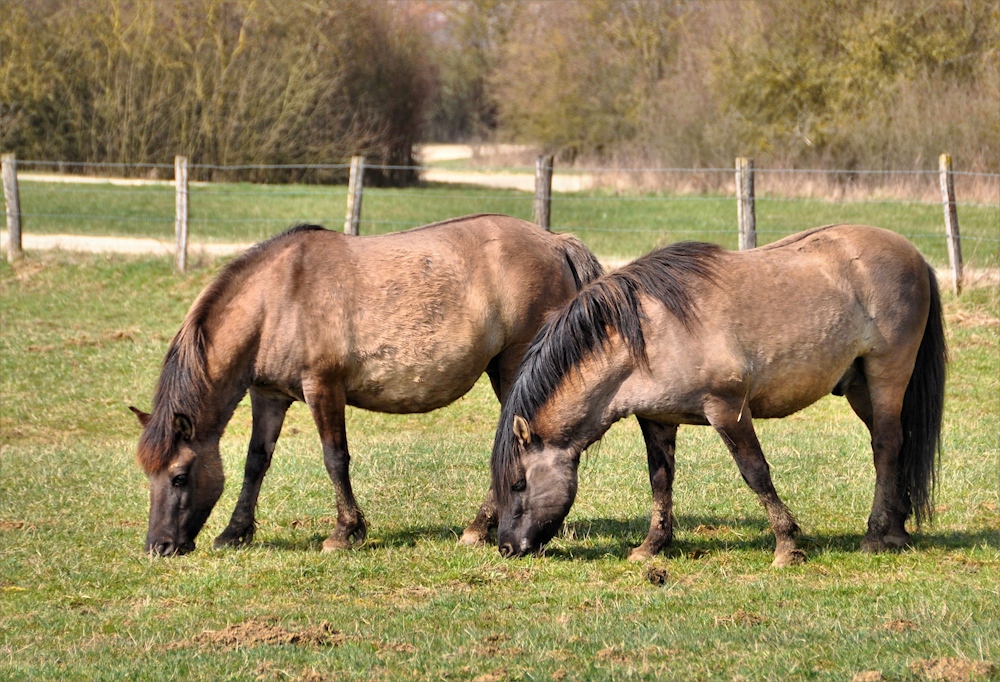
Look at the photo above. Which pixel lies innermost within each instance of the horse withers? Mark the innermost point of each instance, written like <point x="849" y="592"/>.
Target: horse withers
<point x="693" y="334"/>
<point x="400" y="323"/>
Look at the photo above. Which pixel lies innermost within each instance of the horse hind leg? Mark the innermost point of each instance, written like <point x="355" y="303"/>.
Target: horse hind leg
<point x="859" y="398"/>
<point x="268" y="416"/>
<point x="879" y="403"/>
<point x="661" y="442"/>
<point x="735" y="426"/>
<point x="327" y="402"/>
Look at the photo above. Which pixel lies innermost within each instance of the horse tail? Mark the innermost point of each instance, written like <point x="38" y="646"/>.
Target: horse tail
<point x="923" y="406"/>
<point x="582" y="262"/>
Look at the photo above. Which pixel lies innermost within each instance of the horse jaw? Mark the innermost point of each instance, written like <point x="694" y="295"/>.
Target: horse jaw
<point x="541" y="503"/>
<point x="182" y="497"/>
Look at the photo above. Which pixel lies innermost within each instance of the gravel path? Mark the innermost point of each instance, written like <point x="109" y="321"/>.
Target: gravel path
<point x="127" y="245"/>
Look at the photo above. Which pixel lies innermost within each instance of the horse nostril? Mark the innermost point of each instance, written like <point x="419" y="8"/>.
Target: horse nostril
<point x="163" y="548"/>
<point x="506" y="550"/>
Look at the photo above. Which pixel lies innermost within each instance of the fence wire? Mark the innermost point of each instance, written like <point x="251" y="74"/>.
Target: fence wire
<point x="614" y="221"/>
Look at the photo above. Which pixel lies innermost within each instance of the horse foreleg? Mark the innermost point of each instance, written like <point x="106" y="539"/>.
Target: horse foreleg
<point x="661" y="441"/>
<point x="327" y="402"/>
<point x="268" y="416"/>
<point x="501" y="371"/>
<point x="898" y="510"/>
<point x="736" y="428"/>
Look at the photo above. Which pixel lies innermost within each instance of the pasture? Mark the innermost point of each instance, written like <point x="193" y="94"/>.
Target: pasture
<point x="83" y="337"/>
<point x="614" y="225"/>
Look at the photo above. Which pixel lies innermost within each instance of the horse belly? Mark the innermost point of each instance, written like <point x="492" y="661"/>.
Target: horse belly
<point x="786" y="392"/>
<point x="405" y="381"/>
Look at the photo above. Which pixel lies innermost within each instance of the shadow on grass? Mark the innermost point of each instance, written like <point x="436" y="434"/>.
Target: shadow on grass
<point x="397" y="539"/>
<point x="592" y="539"/>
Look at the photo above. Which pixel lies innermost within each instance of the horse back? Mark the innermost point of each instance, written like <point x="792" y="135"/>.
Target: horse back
<point x="408" y="321"/>
<point x="779" y="326"/>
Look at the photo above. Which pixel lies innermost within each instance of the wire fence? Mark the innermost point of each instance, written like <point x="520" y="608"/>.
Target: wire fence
<point x="619" y="212"/>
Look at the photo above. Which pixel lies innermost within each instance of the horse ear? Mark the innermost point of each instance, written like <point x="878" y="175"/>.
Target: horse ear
<point x="143" y="417"/>
<point x="183" y="427"/>
<point x="522" y="430"/>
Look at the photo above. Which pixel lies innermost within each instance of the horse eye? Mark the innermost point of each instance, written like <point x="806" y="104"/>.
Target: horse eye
<point x="519" y="486"/>
<point x="179" y="481"/>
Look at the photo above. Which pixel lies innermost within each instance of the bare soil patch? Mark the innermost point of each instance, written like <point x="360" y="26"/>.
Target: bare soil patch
<point x="253" y="633"/>
<point x="899" y="625"/>
<point x="613" y="655"/>
<point x="868" y="676"/>
<point x="495" y="676"/>
<point x="952" y="669"/>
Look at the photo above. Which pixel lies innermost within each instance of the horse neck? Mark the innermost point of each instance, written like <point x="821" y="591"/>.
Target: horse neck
<point x="584" y="405"/>
<point x="229" y="348"/>
<point x="229" y="361"/>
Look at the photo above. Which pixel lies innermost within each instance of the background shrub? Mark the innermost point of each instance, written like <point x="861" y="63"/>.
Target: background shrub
<point x="236" y="82"/>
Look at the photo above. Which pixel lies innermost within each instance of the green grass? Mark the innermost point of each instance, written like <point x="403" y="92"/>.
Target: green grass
<point x="83" y="337"/>
<point x="615" y="226"/>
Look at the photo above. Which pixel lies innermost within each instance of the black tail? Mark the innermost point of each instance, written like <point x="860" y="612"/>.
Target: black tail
<point x="582" y="262"/>
<point x="923" y="405"/>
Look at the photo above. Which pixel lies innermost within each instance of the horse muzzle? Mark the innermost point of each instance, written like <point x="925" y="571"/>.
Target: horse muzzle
<point x="166" y="547"/>
<point x="509" y="550"/>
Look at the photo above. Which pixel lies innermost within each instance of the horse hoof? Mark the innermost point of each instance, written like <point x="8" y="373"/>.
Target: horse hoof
<point x="225" y="541"/>
<point x="336" y="545"/>
<point x="872" y="546"/>
<point x="472" y="538"/>
<point x="793" y="557"/>
<point x="640" y="553"/>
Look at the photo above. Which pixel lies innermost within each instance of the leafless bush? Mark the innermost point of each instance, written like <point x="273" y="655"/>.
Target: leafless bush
<point x="251" y="82"/>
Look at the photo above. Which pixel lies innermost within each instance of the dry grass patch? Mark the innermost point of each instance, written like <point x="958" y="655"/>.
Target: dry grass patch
<point x="741" y="618"/>
<point x="254" y="633"/>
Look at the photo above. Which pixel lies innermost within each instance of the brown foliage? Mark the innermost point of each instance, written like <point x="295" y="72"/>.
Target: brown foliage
<point x="245" y="82"/>
<point x="846" y="83"/>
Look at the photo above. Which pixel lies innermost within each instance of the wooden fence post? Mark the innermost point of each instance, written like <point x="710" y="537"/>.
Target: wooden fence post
<point x="543" y="191"/>
<point x="951" y="221"/>
<point x="13" y="198"/>
<point x="745" y="212"/>
<point x="181" y="211"/>
<point x="355" y="187"/>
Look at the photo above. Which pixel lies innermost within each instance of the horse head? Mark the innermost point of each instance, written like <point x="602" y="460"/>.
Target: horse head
<point x="536" y="491"/>
<point x="185" y="482"/>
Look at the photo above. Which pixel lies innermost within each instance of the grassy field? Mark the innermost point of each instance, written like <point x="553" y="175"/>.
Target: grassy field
<point x="83" y="336"/>
<point x="615" y="226"/>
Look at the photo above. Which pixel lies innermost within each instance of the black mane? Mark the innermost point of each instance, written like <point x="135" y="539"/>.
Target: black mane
<point x="582" y="326"/>
<point x="183" y="380"/>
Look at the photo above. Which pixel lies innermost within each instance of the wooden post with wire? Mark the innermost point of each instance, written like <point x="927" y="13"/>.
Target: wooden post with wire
<point x="542" y="212"/>
<point x="355" y="187"/>
<point x="745" y="210"/>
<point x="12" y="197"/>
<point x="951" y="222"/>
<point x="181" y="211"/>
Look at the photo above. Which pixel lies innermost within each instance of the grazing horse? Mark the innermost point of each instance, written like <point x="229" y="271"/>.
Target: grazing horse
<point x="694" y="334"/>
<point x="400" y="323"/>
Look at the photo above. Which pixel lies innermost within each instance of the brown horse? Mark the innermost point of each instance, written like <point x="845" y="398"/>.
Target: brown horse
<point x="693" y="334"/>
<point x="401" y="323"/>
